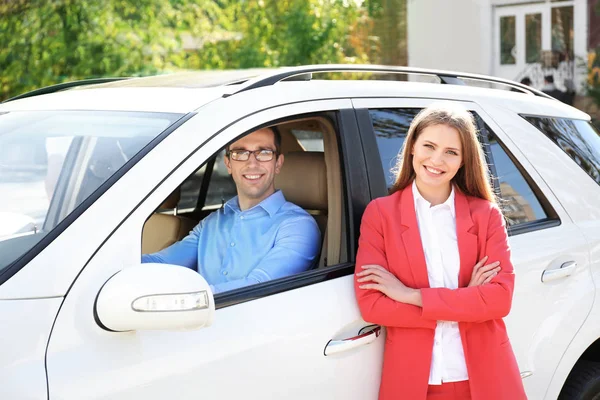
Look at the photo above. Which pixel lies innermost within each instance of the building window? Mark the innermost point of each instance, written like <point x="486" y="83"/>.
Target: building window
<point x="533" y="37"/>
<point x="508" y="39"/>
<point x="562" y="32"/>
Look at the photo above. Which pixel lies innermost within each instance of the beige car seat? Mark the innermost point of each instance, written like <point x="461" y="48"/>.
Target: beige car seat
<point x="162" y="230"/>
<point x="303" y="181"/>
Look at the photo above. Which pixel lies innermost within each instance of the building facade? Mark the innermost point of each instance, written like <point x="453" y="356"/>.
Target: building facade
<point x="511" y="39"/>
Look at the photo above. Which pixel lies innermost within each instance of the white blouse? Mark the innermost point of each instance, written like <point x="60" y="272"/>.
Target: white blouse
<point x="437" y="226"/>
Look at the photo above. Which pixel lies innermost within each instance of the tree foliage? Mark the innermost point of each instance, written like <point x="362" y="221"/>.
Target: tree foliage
<point x="285" y="32"/>
<point x="43" y="42"/>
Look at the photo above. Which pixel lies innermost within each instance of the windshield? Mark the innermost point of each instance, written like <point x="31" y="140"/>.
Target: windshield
<point x="51" y="161"/>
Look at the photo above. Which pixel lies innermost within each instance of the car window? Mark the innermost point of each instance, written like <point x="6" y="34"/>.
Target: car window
<point x="221" y="187"/>
<point x="51" y="161"/>
<point x="310" y="140"/>
<point x="391" y="127"/>
<point x="578" y="139"/>
<point x="190" y="190"/>
<point x="517" y="198"/>
<point x="303" y="181"/>
<point x="518" y="201"/>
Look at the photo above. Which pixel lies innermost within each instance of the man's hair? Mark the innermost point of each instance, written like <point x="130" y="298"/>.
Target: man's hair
<point x="526" y="81"/>
<point x="549" y="78"/>
<point x="276" y="135"/>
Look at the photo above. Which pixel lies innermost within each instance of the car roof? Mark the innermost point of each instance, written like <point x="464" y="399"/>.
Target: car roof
<point x="179" y="92"/>
<point x="186" y="91"/>
<point x="138" y="99"/>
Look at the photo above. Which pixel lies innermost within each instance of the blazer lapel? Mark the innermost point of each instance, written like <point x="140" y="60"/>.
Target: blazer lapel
<point x="412" y="239"/>
<point x="467" y="241"/>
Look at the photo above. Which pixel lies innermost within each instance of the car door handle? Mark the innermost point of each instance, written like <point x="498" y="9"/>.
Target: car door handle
<point x="565" y="270"/>
<point x="338" y="346"/>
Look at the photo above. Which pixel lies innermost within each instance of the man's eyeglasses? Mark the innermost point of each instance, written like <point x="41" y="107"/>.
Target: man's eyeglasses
<point x="260" y="155"/>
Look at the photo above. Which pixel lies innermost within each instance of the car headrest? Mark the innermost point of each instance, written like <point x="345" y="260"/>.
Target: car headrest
<point x="303" y="179"/>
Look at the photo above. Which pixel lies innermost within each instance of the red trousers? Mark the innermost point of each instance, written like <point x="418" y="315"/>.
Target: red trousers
<point x="449" y="391"/>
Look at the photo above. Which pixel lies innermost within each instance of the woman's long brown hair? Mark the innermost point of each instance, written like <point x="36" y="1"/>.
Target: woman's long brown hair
<point x="472" y="177"/>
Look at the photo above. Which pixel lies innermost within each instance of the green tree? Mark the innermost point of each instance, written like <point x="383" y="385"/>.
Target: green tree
<point x="390" y="29"/>
<point x="46" y="42"/>
<point x="43" y="42"/>
<point x="286" y="32"/>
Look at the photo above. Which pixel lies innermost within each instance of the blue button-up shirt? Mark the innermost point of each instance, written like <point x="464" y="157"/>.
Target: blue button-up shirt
<point x="232" y="248"/>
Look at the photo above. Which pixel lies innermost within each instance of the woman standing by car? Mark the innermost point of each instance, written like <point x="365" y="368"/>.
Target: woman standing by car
<point x="417" y="269"/>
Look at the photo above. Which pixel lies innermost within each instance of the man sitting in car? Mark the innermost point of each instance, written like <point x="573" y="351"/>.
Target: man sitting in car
<point x="257" y="235"/>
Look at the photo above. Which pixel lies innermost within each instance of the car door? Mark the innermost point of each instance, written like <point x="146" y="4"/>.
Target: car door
<point x="547" y="309"/>
<point x="296" y="338"/>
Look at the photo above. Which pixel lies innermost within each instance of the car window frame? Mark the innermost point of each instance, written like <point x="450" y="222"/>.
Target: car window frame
<point x="340" y="119"/>
<point x="375" y="169"/>
<point x="353" y="176"/>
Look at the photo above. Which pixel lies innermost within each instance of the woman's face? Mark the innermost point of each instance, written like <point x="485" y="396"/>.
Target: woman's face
<point x="437" y="156"/>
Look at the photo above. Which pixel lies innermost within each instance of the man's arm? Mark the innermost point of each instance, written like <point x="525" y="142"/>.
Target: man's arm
<point x="375" y="306"/>
<point x="296" y="246"/>
<point x="184" y="252"/>
<point x="477" y="303"/>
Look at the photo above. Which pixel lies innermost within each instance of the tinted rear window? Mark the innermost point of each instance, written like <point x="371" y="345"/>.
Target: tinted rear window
<point x="577" y="138"/>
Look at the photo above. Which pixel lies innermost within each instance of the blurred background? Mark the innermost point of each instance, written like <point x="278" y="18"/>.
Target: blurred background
<point x="44" y="42"/>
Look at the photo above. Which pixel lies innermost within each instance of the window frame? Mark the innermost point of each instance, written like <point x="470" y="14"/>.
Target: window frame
<point x="353" y="203"/>
<point x="377" y="174"/>
<point x="344" y="123"/>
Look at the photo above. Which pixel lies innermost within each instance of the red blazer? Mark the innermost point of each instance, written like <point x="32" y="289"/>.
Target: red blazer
<point x="389" y="236"/>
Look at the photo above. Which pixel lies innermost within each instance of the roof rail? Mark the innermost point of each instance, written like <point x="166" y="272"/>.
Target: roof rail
<point x="63" y="86"/>
<point x="446" y="77"/>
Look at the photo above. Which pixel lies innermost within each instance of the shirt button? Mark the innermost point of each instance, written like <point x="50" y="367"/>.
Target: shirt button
<point x="232" y="244"/>
<point x="225" y="272"/>
<point x="242" y="217"/>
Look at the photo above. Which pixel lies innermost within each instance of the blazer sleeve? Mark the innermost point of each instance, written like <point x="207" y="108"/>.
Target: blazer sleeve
<point x="374" y="306"/>
<point x="478" y="303"/>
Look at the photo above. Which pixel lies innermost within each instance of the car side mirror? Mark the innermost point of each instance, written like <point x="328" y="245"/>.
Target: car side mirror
<point x="155" y="297"/>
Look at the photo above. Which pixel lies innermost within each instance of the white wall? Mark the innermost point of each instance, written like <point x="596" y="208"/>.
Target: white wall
<point x="450" y="34"/>
<point x="458" y="34"/>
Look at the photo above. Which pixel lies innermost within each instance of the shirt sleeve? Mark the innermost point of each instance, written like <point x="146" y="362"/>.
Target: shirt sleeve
<point x="478" y="303"/>
<point x="296" y="247"/>
<point x="184" y="252"/>
<point x="375" y="306"/>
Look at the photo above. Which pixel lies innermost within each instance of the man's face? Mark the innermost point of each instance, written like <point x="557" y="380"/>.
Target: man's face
<point x="254" y="179"/>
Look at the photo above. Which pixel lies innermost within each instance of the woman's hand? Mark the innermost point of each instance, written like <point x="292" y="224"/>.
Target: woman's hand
<point x="483" y="274"/>
<point x="375" y="277"/>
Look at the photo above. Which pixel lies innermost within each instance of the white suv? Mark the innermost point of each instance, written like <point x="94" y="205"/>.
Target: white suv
<point x="94" y="175"/>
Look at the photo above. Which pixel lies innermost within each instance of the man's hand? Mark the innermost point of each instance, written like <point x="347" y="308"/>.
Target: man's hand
<point x="375" y="277"/>
<point x="483" y="274"/>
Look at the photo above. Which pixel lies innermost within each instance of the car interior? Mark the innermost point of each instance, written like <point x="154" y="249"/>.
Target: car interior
<point x="311" y="178"/>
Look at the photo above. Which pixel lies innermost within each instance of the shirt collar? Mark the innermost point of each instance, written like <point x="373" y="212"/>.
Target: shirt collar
<point x="271" y="204"/>
<point x="420" y="199"/>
